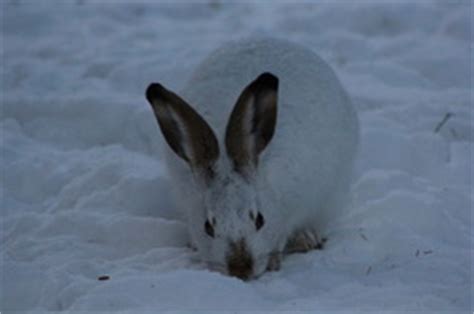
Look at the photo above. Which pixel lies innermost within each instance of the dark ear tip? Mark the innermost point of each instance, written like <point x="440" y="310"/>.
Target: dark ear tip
<point x="154" y="91"/>
<point x="268" y="80"/>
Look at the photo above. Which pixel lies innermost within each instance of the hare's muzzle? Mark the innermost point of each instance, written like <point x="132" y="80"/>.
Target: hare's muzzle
<point x="240" y="262"/>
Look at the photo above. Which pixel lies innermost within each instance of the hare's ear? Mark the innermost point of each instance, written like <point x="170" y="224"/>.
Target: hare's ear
<point x="252" y="122"/>
<point x="185" y="131"/>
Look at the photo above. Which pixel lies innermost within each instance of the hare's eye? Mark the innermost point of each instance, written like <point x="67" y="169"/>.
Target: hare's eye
<point x="209" y="229"/>
<point x="259" y="221"/>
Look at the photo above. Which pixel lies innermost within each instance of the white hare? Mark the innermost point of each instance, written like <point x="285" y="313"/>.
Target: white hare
<point x="264" y="159"/>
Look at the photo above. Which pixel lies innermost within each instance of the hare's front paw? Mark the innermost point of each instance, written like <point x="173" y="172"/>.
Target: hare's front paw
<point x="303" y="241"/>
<point x="274" y="261"/>
<point x="192" y="246"/>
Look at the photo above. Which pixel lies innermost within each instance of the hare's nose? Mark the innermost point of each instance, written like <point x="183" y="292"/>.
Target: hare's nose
<point x="239" y="260"/>
<point x="242" y="270"/>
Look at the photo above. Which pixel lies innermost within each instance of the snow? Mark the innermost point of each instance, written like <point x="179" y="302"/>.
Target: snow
<point x="85" y="192"/>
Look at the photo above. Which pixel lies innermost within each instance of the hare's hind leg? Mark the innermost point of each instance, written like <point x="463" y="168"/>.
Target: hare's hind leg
<point x="303" y="241"/>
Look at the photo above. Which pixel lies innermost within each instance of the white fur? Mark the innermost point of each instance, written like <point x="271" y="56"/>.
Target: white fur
<point x="303" y="174"/>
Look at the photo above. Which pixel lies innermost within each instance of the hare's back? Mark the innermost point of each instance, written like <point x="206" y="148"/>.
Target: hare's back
<point x="306" y="80"/>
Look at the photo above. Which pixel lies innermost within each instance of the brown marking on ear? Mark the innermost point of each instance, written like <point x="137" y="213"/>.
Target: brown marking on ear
<point x="239" y="260"/>
<point x="185" y="131"/>
<point x="252" y="122"/>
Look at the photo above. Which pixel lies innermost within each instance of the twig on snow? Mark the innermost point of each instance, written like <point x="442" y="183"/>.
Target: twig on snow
<point x="442" y="122"/>
<point x="362" y="235"/>
<point x="369" y="269"/>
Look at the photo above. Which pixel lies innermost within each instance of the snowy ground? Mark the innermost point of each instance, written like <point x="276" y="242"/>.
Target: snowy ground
<point x="85" y="193"/>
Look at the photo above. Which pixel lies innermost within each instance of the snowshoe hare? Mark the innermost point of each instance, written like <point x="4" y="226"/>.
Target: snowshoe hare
<point x="268" y="175"/>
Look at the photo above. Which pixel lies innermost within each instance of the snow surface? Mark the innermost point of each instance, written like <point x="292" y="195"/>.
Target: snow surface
<point x="85" y="192"/>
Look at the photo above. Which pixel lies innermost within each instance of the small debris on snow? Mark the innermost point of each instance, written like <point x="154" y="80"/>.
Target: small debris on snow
<point x="442" y="122"/>
<point x="369" y="269"/>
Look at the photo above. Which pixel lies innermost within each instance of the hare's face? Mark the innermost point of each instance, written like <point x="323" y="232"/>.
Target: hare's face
<point x="234" y="236"/>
